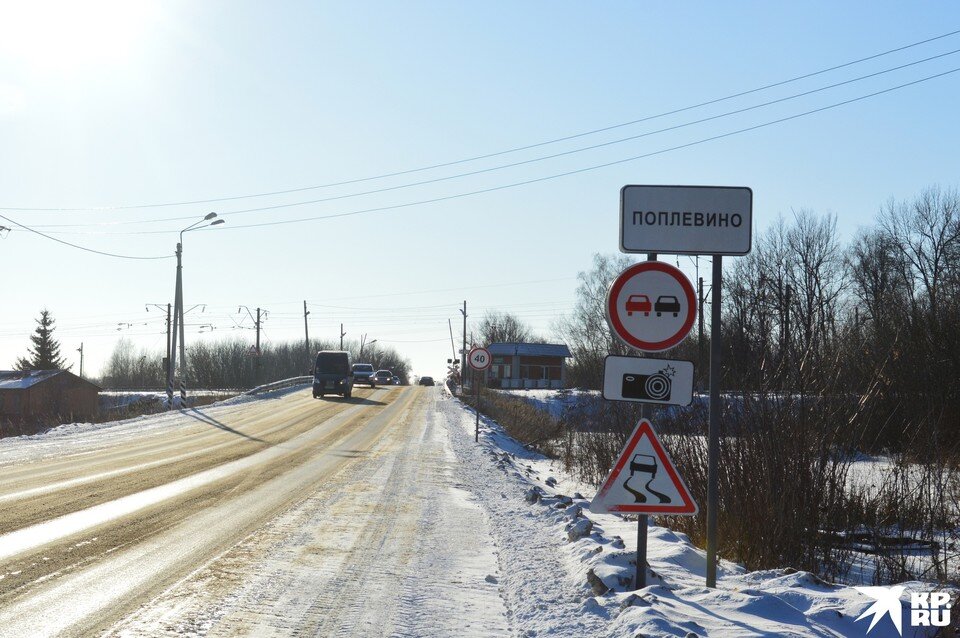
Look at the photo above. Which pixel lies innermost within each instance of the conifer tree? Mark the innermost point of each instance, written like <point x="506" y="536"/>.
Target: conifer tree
<point x="45" y="353"/>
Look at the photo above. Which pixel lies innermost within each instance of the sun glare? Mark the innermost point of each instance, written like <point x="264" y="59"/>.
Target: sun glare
<point x="71" y="35"/>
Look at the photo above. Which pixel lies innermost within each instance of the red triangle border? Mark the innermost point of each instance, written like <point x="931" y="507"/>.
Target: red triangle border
<point x="689" y="506"/>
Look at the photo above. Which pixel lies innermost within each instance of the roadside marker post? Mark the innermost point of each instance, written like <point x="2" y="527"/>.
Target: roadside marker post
<point x="682" y="220"/>
<point x="479" y="359"/>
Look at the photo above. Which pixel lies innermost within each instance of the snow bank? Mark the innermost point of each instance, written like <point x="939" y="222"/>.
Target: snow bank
<point x="78" y="437"/>
<point x="569" y="572"/>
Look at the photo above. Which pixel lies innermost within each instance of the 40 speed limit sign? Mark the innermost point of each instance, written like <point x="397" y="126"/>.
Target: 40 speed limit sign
<point x="479" y="358"/>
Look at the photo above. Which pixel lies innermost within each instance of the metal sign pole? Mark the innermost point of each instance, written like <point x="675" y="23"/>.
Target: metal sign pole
<point x="641" y="551"/>
<point x="476" y="431"/>
<point x="714" y="433"/>
<point x="642" y="523"/>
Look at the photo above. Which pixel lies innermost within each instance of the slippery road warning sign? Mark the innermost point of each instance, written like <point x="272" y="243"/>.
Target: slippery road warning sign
<point x="644" y="480"/>
<point x="651" y="306"/>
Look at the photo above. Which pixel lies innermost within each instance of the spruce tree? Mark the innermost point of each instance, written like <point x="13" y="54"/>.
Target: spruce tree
<point x="45" y="353"/>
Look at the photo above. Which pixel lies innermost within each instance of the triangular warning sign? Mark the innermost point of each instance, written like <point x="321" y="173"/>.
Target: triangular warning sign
<point x="644" y="479"/>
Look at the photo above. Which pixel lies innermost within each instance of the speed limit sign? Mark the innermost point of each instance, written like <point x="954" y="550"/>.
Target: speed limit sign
<point x="479" y="358"/>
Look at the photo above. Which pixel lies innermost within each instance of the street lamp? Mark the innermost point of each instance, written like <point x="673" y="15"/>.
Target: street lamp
<point x="178" y="316"/>
<point x="369" y="343"/>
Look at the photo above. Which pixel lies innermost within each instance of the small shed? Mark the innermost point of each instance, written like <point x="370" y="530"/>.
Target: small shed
<point x="26" y="394"/>
<point x="528" y="365"/>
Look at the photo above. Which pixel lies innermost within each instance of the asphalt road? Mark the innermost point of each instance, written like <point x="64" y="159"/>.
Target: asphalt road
<point x="287" y="516"/>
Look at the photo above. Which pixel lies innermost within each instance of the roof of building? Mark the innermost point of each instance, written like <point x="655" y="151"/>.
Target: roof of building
<point x="530" y="349"/>
<point x="22" y="379"/>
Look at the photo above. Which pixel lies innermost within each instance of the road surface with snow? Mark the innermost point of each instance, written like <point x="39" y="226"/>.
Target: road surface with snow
<point x="377" y="516"/>
<point x="274" y="517"/>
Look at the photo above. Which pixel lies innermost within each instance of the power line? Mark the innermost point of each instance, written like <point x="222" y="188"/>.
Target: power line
<point x="542" y="158"/>
<point x="588" y="168"/>
<point x="84" y="248"/>
<point x="502" y="152"/>
<point x="505" y="186"/>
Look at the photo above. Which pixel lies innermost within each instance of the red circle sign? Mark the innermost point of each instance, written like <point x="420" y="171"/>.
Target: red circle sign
<point x="479" y="359"/>
<point x="651" y="306"/>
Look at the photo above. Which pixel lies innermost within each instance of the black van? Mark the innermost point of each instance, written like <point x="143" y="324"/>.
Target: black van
<point x="333" y="374"/>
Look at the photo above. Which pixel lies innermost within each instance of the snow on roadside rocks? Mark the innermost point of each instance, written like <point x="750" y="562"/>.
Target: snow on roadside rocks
<point x="569" y="572"/>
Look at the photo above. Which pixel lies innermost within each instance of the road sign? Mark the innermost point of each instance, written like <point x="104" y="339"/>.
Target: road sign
<point x="479" y="358"/>
<point x="686" y="220"/>
<point x="651" y="306"/>
<point x="644" y="480"/>
<point x="661" y="381"/>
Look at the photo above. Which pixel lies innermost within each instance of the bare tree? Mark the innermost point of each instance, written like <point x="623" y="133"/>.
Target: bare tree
<point x="586" y="331"/>
<point x="503" y="327"/>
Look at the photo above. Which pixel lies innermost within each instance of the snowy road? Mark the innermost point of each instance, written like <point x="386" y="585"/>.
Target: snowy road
<point x="286" y="516"/>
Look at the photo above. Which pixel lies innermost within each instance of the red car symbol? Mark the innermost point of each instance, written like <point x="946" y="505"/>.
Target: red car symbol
<point x="638" y="303"/>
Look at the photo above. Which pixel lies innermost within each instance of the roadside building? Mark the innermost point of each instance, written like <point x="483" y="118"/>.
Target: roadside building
<point x="528" y="365"/>
<point x="27" y="394"/>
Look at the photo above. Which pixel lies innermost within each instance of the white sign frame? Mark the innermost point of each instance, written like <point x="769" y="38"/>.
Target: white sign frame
<point x="672" y="376"/>
<point x="686" y="220"/>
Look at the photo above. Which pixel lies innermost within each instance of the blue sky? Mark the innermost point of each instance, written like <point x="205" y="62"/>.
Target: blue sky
<point x="127" y="104"/>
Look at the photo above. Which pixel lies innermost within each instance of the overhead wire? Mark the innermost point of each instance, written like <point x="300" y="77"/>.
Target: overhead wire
<point x="502" y="152"/>
<point x="525" y="162"/>
<point x="499" y="187"/>
<point x="84" y="248"/>
<point x="588" y="168"/>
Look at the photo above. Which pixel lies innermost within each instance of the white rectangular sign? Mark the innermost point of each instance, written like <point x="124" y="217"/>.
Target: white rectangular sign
<point x="686" y="220"/>
<point x="662" y="381"/>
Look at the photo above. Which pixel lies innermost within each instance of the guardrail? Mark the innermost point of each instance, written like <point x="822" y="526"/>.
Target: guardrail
<point x="280" y="385"/>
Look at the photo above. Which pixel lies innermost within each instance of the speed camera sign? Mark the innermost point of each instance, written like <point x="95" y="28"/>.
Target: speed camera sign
<point x="479" y="359"/>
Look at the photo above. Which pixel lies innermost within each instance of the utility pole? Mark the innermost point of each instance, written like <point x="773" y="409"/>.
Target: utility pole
<point x="177" y="321"/>
<point x="463" y="352"/>
<point x="258" y="374"/>
<point x="258" y="321"/>
<point x="342" y="335"/>
<point x="168" y="358"/>
<point x="306" y="330"/>
<point x="80" y="350"/>
<point x="258" y="332"/>
<point x="453" y="348"/>
<point x="183" y="342"/>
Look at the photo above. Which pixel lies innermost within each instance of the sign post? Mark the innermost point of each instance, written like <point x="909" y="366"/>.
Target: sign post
<point x="682" y="220"/>
<point x="479" y="359"/>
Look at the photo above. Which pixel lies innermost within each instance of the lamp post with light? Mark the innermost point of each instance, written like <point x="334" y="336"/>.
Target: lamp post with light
<point x="178" y="317"/>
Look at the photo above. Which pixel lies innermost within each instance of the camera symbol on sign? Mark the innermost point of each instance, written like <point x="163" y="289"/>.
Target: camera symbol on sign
<point x="649" y="387"/>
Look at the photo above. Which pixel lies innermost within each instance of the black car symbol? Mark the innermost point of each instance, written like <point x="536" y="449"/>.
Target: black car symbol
<point x="667" y="303"/>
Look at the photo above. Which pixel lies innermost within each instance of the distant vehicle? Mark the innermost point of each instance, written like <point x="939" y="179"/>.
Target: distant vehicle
<point x="395" y="380"/>
<point x="426" y="381"/>
<point x="363" y="373"/>
<point x="332" y="374"/>
<point x="638" y="303"/>
<point x="667" y="303"/>
<point x="383" y="377"/>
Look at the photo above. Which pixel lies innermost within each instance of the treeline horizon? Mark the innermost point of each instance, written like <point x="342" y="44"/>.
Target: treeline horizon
<point x="877" y="317"/>
<point x="235" y="364"/>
